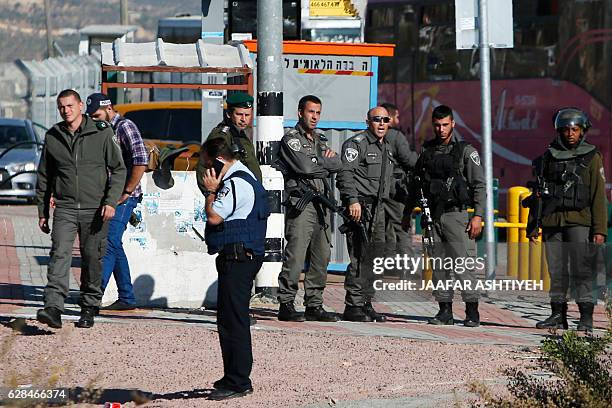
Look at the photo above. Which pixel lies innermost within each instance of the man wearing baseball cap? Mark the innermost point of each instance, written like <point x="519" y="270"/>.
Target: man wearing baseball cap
<point x="237" y="133"/>
<point x="135" y="156"/>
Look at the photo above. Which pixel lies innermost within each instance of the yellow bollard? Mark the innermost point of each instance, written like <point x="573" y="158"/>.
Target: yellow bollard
<point x="427" y="271"/>
<point x="545" y="274"/>
<point x="523" y="261"/>
<point x="512" y="237"/>
<point x="535" y="259"/>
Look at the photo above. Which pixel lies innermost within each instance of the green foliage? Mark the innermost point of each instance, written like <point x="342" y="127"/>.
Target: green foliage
<point x="580" y="370"/>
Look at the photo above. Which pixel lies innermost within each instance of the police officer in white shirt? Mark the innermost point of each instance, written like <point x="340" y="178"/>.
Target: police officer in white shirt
<point x="237" y="213"/>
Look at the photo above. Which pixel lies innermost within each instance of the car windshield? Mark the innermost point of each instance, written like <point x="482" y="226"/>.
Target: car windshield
<point x="182" y="125"/>
<point x="10" y="135"/>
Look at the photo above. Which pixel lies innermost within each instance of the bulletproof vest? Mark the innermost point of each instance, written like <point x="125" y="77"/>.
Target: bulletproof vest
<point x="251" y="231"/>
<point x="566" y="190"/>
<point x="443" y="182"/>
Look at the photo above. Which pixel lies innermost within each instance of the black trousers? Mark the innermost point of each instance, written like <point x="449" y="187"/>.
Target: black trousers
<point x="233" y="321"/>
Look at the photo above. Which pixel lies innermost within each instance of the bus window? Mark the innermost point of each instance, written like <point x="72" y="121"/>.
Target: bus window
<point x="536" y="33"/>
<point x="242" y="15"/>
<point x="437" y="58"/>
<point x="406" y="41"/>
<point x="152" y="123"/>
<point x="185" y="125"/>
<point x="380" y="28"/>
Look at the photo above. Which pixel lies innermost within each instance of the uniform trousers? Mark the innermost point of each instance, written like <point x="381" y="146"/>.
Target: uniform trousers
<point x="304" y="231"/>
<point x="91" y="230"/>
<point x="570" y="254"/>
<point x="359" y="280"/>
<point x="452" y="242"/>
<point x="233" y="320"/>
<point x="399" y="241"/>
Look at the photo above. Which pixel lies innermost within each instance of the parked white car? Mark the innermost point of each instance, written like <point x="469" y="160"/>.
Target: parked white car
<point x="20" y="149"/>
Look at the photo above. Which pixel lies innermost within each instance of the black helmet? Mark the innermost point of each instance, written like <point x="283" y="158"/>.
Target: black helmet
<point x="571" y="117"/>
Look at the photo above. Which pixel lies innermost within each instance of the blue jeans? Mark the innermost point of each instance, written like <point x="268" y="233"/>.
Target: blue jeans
<point x="115" y="262"/>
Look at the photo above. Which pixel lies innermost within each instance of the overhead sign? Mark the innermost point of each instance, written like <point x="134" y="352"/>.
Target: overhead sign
<point x="332" y="8"/>
<point x="500" y="22"/>
<point x="343" y="75"/>
<point x="347" y="85"/>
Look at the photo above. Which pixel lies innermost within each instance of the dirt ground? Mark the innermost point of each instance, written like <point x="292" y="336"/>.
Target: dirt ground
<point x="175" y="364"/>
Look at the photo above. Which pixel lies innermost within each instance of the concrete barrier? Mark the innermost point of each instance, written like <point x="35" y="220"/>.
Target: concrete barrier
<point x="169" y="263"/>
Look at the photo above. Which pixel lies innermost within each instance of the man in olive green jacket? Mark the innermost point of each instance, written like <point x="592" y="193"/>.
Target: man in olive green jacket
<point x="237" y="133"/>
<point x="82" y="170"/>
<point x="574" y="216"/>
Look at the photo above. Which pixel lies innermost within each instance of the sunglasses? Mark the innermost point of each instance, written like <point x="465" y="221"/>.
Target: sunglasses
<point x="384" y="119"/>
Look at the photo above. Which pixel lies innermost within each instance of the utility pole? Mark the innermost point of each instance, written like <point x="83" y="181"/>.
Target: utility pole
<point x="50" y="50"/>
<point x="485" y="92"/>
<point x="270" y="132"/>
<point x="125" y="19"/>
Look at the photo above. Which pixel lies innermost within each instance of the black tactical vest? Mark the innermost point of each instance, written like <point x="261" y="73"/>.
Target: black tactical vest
<point x="443" y="182"/>
<point x="566" y="190"/>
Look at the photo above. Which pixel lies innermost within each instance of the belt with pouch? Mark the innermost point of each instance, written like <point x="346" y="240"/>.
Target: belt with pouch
<point x="236" y="252"/>
<point x="454" y="209"/>
<point x="367" y="200"/>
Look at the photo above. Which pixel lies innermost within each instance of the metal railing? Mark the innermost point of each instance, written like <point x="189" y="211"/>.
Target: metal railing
<point x="47" y="78"/>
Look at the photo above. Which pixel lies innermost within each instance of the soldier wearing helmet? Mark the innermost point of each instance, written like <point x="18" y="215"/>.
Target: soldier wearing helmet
<point x="574" y="217"/>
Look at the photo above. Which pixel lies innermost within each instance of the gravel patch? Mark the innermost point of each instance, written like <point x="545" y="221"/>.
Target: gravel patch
<point x="176" y="364"/>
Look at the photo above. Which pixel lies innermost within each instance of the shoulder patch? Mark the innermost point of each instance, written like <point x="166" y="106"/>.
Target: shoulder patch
<point x="223" y="192"/>
<point x="475" y="158"/>
<point x="294" y="144"/>
<point x="603" y="174"/>
<point x="351" y="154"/>
<point x="358" y="138"/>
<point x="101" y="125"/>
<point x="225" y="129"/>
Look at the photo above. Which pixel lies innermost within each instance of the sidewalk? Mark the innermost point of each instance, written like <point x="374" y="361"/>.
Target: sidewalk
<point x="508" y="327"/>
<point x="507" y="318"/>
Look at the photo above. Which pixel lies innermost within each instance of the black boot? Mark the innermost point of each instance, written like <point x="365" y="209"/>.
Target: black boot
<point x="557" y="318"/>
<point x="472" y="317"/>
<point x="87" y="317"/>
<point x="50" y="316"/>
<point x="586" y="317"/>
<point x="444" y="316"/>
<point x="287" y="313"/>
<point x="355" y="314"/>
<point x="318" y="314"/>
<point x="375" y="316"/>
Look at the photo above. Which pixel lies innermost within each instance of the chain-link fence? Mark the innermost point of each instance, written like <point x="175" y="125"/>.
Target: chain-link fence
<point x="47" y="78"/>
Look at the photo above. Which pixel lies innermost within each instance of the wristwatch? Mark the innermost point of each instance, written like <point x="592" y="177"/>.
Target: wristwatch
<point x="127" y="192"/>
<point x="208" y="192"/>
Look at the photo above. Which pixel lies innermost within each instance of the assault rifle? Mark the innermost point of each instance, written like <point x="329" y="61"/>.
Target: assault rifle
<point x="426" y="221"/>
<point x="539" y="189"/>
<point x="311" y="193"/>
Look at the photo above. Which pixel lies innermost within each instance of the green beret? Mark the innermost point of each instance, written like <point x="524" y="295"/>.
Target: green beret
<point x="239" y="100"/>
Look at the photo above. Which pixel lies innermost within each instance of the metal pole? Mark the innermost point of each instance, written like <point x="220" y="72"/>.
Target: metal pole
<point x="212" y="33"/>
<point x="125" y="19"/>
<point x="270" y="131"/>
<point x="485" y="91"/>
<point x="50" y="49"/>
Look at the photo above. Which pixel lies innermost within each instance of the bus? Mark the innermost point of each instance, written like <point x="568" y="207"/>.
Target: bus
<point x="562" y="56"/>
